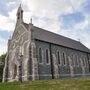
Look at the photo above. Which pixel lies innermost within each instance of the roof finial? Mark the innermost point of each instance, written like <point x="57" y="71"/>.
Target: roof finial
<point x="79" y="40"/>
<point x="20" y="7"/>
<point x="31" y="20"/>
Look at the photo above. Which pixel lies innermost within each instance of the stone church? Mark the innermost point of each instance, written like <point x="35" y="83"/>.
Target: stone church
<point x="37" y="54"/>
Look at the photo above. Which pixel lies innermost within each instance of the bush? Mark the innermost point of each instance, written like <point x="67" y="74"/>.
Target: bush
<point x="2" y="61"/>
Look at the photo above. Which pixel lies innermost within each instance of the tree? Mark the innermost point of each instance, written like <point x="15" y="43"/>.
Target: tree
<point x="2" y="61"/>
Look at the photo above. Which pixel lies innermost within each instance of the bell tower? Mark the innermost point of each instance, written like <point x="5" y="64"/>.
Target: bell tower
<point x="20" y="14"/>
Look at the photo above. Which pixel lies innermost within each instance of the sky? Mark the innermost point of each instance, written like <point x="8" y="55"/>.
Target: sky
<point x="70" y="18"/>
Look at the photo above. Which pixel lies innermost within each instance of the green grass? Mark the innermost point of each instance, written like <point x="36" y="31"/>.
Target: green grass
<point x="72" y="84"/>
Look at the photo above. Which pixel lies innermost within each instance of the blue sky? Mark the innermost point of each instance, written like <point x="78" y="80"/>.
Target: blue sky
<point x="70" y="18"/>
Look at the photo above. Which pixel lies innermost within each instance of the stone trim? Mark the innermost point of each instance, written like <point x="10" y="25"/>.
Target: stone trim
<point x="83" y="68"/>
<point x="71" y="67"/>
<point x="77" y="60"/>
<point x="55" y="67"/>
<point x="34" y="62"/>
<point x="83" y="60"/>
<point x="14" y="40"/>
<point x="5" y="70"/>
<point x="18" y="27"/>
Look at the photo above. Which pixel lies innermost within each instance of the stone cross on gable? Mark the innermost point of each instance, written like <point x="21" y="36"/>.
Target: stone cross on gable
<point x="31" y="20"/>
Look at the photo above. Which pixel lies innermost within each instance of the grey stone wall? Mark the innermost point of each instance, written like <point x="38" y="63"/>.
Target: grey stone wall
<point x="19" y="44"/>
<point x="66" y="70"/>
<point x="44" y="69"/>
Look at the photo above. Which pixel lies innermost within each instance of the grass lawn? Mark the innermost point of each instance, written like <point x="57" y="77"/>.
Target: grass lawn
<point x="72" y="84"/>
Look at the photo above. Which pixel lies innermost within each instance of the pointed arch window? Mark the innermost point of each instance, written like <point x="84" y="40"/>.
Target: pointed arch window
<point x="58" y="57"/>
<point x="40" y="56"/>
<point x="47" y="56"/>
<point x="64" y="58"/>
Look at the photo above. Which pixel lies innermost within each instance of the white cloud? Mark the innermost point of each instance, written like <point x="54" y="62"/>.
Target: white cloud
<point x="46" y="14"/>
<point x="51" y="9"/>
<point x="3" y="46"/>
<point x="79" y="32"/>
<point x="12" y="15"/>
<point x="6" y="23"/>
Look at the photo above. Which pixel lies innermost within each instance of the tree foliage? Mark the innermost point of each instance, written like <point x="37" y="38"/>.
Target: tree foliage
<point x="2" y="61"/>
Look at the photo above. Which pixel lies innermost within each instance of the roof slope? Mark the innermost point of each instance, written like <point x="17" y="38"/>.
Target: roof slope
<point x="48" y="36"/>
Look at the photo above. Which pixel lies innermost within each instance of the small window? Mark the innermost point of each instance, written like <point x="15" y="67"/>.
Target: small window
<point x="58" y="57"/>
<point x="47" y="56"/>
<point x="40" y="55"/>
<point x="63" y="58"/>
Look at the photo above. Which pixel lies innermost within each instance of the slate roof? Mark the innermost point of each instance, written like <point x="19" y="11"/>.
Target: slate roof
<point x="50" y="37"/>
